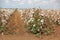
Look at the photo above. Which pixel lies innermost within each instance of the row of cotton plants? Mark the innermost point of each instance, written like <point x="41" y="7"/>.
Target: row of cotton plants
<point x="4" y="16"/>
<point x="53" y="15"/>
<point x="38" y="24"/>
<point x="49" y="18"/>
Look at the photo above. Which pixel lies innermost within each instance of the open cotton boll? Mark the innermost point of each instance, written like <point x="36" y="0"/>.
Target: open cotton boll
<point x="2" y="14"/>
<point x="42" y="14"/>
<point x="31" y="19"/>
<point x="38" y="29"/>
<point x="4" y="21"/>
<point x="41" y="27"/>
<point x="34" y="25"/>
<point x="31" y="15"/>
<point x="42" y="20"/>
<point x="2" y="33"/>
<point x="6" y="16"/>
<point x="58" y="21"/>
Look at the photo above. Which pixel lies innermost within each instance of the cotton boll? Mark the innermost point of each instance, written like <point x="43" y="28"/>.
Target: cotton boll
<point x="38" y="30"/>
<point x="40" y="26"/>
<point x="38" y="20"/>
<point x="6" y="16"/>
<point x="31" y="29"/>
<point x="31" y="20"/>
<point x="2" y="33"/>
<point x="28" y="21"/>
<point x="4" y="21"/>
<point x="42" y="20"/>
<point x="34" y="25"/>
<point x="42" y="14"/>
<point x="2" y="15"/>
<point x="31" y="15"/>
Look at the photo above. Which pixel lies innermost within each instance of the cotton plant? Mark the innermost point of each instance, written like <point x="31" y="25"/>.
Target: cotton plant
<point x="3" y="23"/>
<point x="58" y="21"/>
<point x="37" y="24"/>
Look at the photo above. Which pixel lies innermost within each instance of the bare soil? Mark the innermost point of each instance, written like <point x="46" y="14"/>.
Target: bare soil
<point x="30" y="36"/>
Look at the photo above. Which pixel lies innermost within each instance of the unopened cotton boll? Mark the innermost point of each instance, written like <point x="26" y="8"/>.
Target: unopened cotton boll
<point x="31" y="29"/>
<point x="38" y="20"/>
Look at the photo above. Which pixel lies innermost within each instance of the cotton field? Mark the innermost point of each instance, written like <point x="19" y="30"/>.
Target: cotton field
<point x="54" y="15"/>
<point x="27" y="24"/>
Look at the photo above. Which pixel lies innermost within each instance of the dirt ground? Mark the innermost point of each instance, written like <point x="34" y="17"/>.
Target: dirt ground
<point x="29" y="36"/>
